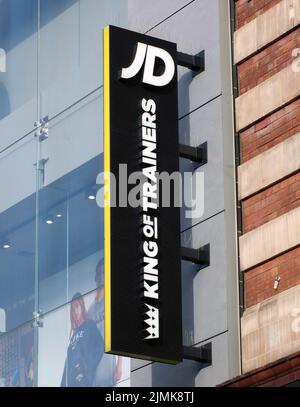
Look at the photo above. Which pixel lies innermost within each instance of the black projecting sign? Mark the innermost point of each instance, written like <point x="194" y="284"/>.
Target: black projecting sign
<point x="142" y="244"/>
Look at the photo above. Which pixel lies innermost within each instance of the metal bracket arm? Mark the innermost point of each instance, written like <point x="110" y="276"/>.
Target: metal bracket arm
<point x="199" y="256"/>
<point x="202" y="354"/>
<point x="197" y="154"/>
<point x="195" y="63"/>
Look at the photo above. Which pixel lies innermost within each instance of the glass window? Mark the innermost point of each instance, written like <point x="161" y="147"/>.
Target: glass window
<point x="51" y="229"/>
<point x="70" y="236"/>
<point x="70" y="221"/>
<point x="17" y="233"/>
<point x="18" y="39"/>
<point x="70" y="56"/>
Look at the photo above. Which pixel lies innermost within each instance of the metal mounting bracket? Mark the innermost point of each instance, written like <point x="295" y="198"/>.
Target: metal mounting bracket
<point x="195" y="63"/>
<point x="199" y="256"/>
<point x="197" y="154"/>
<point x="43" y="128"/>
<point x="202" y="354"/>
<point x="37" y="320"/>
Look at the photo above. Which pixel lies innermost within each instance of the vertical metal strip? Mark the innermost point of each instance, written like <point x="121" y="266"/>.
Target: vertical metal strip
<point x="107" y="219"/>
<point x="237" y="159"/>
<point x="37" y="202"/>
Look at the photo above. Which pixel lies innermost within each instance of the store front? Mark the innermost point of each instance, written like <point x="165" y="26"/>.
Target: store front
<point x="51" y="223"/>
<point x="51" y="227"/>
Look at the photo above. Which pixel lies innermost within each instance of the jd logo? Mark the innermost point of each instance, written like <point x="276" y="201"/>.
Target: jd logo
<point x="149" y="54"/>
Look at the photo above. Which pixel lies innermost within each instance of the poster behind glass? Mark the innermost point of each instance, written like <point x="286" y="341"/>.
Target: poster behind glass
<point x="71" y="342"/>
<point x="17" y="365"/>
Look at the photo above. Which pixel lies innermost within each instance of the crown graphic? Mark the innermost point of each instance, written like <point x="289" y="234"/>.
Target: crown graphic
<point x="152" y="321"/>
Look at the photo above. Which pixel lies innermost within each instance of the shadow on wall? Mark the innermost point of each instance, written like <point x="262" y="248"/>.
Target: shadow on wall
<point x="181" y="375"/>
<point x="4" y="102"/>
<point x="184" y="135"/>
<point x="189" y="270"/>
<point x="185" y="373"/>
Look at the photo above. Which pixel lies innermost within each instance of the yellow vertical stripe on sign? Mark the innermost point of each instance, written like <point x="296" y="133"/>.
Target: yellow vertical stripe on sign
<point x="107" y="237"/>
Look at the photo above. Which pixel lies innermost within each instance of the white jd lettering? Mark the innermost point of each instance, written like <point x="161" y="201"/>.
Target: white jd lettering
<point x="148" y="54"/>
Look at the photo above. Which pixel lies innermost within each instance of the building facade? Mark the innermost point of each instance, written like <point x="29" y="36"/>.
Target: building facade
<point x="266" y="45"/>
<point x="244" y="303"/>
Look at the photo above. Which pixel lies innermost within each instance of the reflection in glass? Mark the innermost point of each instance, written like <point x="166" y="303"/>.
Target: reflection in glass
<point x="70" y="57"/>
<point x="17" y="266"/>
<point x="18" y="38"/>
<point x="70" y="236"/>
<point x="17" y="366"/>
<point x="17" y="234"/>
